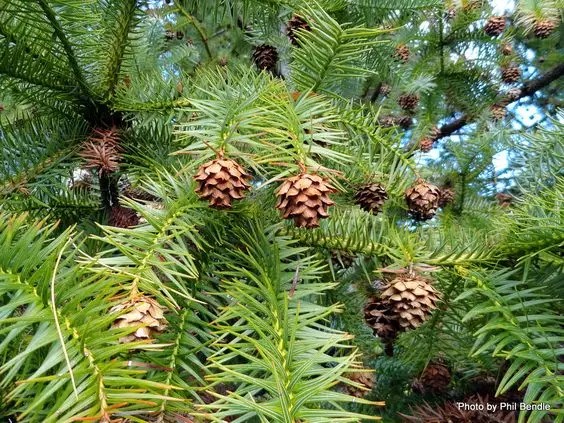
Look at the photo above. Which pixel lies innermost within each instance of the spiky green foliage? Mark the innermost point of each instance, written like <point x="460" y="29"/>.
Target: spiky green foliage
<point x="55" y="315"/>
<point x="273" y="341"/>
<point x="522" y="325"/>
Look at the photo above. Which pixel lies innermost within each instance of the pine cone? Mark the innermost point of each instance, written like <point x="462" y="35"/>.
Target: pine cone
<point x="123" y="217"/>
<point x="380" y="317"/>
<point x="371" y="197"/>
<point x="296" y="24"/>
<point x="510" y="74"/>
<point x="544" y="28"/>
<point x="498" y="112"/>
<point x="305" y="199"/>
<point x="365" y="379"/>
<point x="513" y="94"/>
<point x="426" y="144"/>
<point x="447" y="196"/>
<point x="265" y="57"/>
<point x="506" y="49"/>
<point x="494" y="26"/>
<point x="221" y="181"/>
<point x="435" y="378"/>
<point x="401" y="53"/>
<point x="412" y="298"/>
<point x="384" y="90"/>
<point x="405" y="122"/>
<point x="143" y="311"/>
<point x="408" y="102"/>
<point x="423" y="200"/>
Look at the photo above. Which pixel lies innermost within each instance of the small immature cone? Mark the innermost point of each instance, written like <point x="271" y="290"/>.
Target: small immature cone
<point x="510" y="74"/>
<point x="423" y="200"/>
<point x="401" y="53"/>
<point x="379" y="316"/>
<point x="408" y="102"/>
<point x="144" y="312"/>
<point x="305" y="199"/>
<point x="221" y="181"/>
<point x="295" y="24"/>
<point x="371" y="197"/>
<point x="265" y="57"/>
<point x="435" y="378"/>
<point x="494" y="26"/>
<point x="426" y="144"/>
<point x="447" y="196"/>
<point x="544" y="28"/>
<point x="498" y="112"/>
<point x="412" y="299"/>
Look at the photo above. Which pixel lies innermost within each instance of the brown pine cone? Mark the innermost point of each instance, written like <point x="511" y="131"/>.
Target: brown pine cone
<point x="426" y="144"/>
<point x="144" y="312"/>
<point x="544" y="28"/>
<point x="435" y="378"/>
<point x="221" y="181"/>
<point x="305" y="199"/>
<point x="498" y="112"/>
<point x="402" y="53"/>
<point x="494" y="26"/>
<point x="408" y="101"/>
<point x="371" y="197"/>
<point x="123" y="217"/>
<point x="384" y="89"/>
<point x="422" y="199"/>
<point x="510" y="74"/>
<point x="447" y="196"/>
<point x="405" y="122"/>
<point x="265" y="57"/>
<point x="296" y="24"/>
<point x="506" y="49"/>
<point x="381" y="318"/>
<point x="412" y="299"/>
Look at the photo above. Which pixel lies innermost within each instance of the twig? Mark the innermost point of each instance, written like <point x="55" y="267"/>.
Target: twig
<point x="196" y="25"/>
<point x="66" y="45"/>
<point x="529" y="88"/>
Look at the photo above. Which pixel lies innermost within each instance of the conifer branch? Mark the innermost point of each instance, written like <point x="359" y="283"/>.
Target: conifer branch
<point x="66" y="45"/>
<point x="528" y="89"/>
<point x="196" y="25"/>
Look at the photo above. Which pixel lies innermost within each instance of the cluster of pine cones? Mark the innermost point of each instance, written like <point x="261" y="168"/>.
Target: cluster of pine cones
<point x="542" y="28"/>
<point x="304" y="198"/>
<point x="404" y="303"/>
